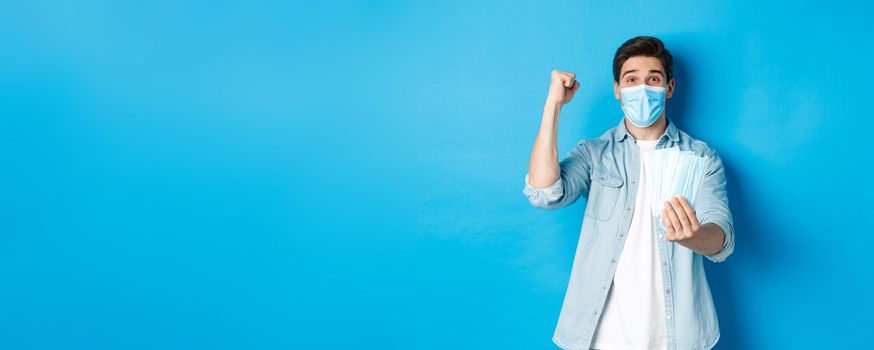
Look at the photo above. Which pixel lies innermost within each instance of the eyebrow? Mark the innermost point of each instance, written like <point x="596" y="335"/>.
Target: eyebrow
<point x="651" y="71"/>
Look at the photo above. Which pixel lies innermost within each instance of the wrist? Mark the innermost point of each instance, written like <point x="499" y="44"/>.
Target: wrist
<point x="553" y="103"/>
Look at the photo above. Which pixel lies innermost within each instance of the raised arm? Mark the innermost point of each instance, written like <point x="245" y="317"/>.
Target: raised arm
<point x="543" y="168"/>
<point x="550" y="184"/>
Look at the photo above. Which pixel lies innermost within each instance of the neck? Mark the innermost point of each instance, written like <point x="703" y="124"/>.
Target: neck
<point x="652" y="132"/>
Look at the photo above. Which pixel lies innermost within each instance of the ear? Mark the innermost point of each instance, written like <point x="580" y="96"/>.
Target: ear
<point x="616" y="90"/>
<point x="670" y="89"/>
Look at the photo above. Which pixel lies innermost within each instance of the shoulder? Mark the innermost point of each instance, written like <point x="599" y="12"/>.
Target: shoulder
<point x="600" y="143"/>
<point x="700" y="147"/>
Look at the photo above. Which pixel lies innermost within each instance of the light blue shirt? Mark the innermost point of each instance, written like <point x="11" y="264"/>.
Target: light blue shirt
<point x="606" y="172"/>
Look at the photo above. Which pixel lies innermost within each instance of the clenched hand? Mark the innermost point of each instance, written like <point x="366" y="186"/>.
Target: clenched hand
<point x="562" y="87"/>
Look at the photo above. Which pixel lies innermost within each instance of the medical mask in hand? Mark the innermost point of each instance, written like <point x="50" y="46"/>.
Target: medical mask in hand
<point x="642" y="104"/>
<point x="671" y="172"/>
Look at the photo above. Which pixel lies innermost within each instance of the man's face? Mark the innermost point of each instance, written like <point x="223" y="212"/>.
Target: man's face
<point x="642" y="70"/>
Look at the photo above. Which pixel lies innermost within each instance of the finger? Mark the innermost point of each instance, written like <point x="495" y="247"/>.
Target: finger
<point x="681" y="213"/>
<point x="576" y="86"/>
<point x="674" y="233"/>
<point x="669" y="227"/>
<point x="673" y="216"/>
<point x="568" y="78"/>
<point x="690" y="212"/>
<point x="558" y="75"/>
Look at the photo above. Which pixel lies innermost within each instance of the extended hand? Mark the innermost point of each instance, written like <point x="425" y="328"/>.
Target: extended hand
<point x="681" y="224"/>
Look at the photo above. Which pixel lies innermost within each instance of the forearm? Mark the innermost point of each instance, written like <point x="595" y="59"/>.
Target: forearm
<point x="708" y="242"/>
<point x="543" y="168"/>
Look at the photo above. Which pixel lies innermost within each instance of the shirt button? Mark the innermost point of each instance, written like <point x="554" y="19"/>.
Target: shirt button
<point x="621" y="235"/>
<point x="612" y="261"/>
<point x="660" y="235"/>
<point x="627" y="209"/>
<point x="664" y="263"/>
<point x="669" y="317"/>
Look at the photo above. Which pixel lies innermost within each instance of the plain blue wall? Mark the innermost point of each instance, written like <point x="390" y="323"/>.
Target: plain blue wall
<point x="240" y="175"/>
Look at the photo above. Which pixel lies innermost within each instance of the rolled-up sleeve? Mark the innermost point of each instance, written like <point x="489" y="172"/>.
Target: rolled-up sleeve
<point x="573" y="181"/>
<point x="712" y="205"/>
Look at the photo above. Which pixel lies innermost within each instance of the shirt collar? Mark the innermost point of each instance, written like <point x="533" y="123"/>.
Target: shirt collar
<point x="621" y="131"/>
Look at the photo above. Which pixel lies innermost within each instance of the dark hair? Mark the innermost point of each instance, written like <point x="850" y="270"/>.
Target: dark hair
<point x="643" y="46"/>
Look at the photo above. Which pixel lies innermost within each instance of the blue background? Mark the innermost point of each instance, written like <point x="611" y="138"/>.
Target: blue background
<point x="242" y="175"/>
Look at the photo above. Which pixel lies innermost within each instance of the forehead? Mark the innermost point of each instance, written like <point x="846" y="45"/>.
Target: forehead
<point x="642" y="64"/>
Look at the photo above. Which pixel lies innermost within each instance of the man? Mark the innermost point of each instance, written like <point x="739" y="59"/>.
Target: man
<point x="635" y="284"/>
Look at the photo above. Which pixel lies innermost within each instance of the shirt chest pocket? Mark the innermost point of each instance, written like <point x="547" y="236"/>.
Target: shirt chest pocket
<point x="603" y="195"/>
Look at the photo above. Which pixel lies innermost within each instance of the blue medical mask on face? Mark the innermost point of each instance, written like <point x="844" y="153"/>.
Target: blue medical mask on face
<point x="642" y="104"/>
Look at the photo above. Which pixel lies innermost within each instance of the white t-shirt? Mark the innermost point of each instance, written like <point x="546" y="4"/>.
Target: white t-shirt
<point x="634" y="315"/>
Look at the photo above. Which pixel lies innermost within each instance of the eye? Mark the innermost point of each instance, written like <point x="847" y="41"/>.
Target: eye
<point x="654" y="79"/>
<point x="629" y="80"/>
